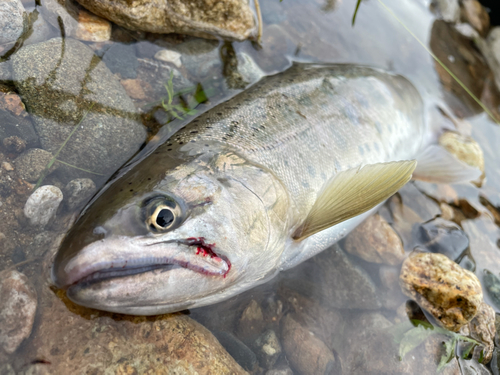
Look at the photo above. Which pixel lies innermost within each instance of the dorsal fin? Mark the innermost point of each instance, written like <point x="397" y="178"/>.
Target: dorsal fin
<point x="352" y="192"/>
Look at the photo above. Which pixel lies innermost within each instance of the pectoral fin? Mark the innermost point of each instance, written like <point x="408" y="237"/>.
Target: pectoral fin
<point x="352" y="192"/>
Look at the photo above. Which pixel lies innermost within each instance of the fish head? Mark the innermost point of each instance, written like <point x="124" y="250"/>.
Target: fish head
<point x="195" y="235"/>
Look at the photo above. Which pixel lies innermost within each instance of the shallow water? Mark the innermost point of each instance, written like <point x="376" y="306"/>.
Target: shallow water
<point x="294" y="30"/>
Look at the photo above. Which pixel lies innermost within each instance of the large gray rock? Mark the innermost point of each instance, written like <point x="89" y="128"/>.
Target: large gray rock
<point x="11" y="20"/>
<point x="64" y="84"/>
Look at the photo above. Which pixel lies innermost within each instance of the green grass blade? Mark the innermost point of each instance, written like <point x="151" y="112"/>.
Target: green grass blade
<point x="355" y="12"/>
<point x="81" y="169"/>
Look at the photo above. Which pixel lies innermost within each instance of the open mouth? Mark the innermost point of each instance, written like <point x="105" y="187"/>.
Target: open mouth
<point x="123" y="257"/>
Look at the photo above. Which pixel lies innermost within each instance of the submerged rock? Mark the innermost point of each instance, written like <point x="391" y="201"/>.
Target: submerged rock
<point x="77" y="22"/>
<point x="482" y="328"/>
<point x="444" y="237"/>
<point x="228" y="19"/>
<point x="18" y="302"/>
<point x="376" y="242"/>
<point x="450" y="293"/>
<point x="75" y="88"/>
<point x="78" y="191"/>
<point x="241" y="353"/>
<point x="31" y="163"/>
<point x="42" y="205"/>
<point x="268" y="348"/>
<point x="251" y="322"/>
<point x="474" y="13"/>
<point x="14" y="144"/>
<point x="307" y="353"/>
<point x="11" y="20"/>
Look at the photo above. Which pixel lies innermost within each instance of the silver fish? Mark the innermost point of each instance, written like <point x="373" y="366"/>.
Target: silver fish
<point x="252" y="187"/>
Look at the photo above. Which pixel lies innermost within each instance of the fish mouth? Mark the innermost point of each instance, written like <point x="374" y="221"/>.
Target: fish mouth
<point x="124" y="257"/>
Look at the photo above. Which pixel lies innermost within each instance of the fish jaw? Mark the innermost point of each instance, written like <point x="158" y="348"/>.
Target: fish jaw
<point x="108" y="266"/>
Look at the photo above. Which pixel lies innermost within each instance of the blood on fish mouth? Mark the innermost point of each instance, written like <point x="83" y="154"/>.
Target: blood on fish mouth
<point x="216" y="265"/>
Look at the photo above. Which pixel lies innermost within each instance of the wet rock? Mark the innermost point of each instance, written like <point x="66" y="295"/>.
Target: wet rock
<point x="17" y="126"/>
<point x="474" y="13"/>
<point x="7" y="369"/>
<point x="228" y="19"/>
<point x="440" y="286"/>
<point x="42" y="205"/>
<point x="443" y="237"/>
<point x="120" y="58"/>
<point x="7" y="166"/>
<point x="332" y="278"/>
<point x="268" y="348"/>
<point x="169" y="56"/>
<point x="84" y="92"/>
<point x="14" y="144"/>
<point x="251" y="323"/>
<point x="376" y="242"/>
<point x="88" y="341"/>
<point x="307" y="353"/>
<point x="465" y="149"/>
<point x="241" y="353"/>
<point x="18" y="302"/>
<point x="11" y="20"/>
<point x="448" y="9"/>
<point x="77" y="22"/>
<point x="31" y="163"/>
<point x="282" y="370"/>
<point x="41" y="31"/>
<point x="392" y="295"/>
<point x="136" y="88"/>
<point x="12" y="102"/>
<point x="78" y="191"/>
<point x="482" y="328"/>
<point x="492" y="285"/>
<point x="200" y="57"/>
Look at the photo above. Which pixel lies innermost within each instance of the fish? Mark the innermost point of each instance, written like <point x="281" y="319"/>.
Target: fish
<point x="252" y="187"/>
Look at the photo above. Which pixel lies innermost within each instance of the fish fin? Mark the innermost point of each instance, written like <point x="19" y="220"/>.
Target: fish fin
<point x="352" y="192"/>
<point x="435" y="164"/>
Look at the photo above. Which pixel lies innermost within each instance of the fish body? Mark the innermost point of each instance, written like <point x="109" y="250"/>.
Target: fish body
<point x="219" y="207"/>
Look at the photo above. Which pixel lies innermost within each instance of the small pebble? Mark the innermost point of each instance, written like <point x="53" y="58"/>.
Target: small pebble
<point x="268" y="348"/>
<point x="42" y="205"/>
<point x="169" y="56"/>
<point x="14" y="144"/>
<point x="7" y="166"/>
<point x="18" y="302"/>
<point x="450" y="293"/>
<point x="78" y="191"/>
<point x="251" y="323"/>
<point x="135" y="88"/>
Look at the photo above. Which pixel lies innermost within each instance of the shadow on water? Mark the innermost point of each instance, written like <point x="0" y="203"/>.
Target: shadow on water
<point x="112" y="93"/>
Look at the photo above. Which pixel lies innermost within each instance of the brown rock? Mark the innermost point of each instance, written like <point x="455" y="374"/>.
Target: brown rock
<point x="482" y="328"/>
<point x="12" y="102"/>
<point x="465" y="149"/>
<point x="228" y="19"/>
<point x="376" y="242"/>
<point x="14" y="144"/>
<point x="307" y="353"/>
<point x="474" y="13"/>
<point x="75" y="340"/>
<point x="18" y="302"/>
<point x="135" y="88"/>
<point x="78" y="22"/>
<point x="450" y="293"/>
<point x="251" y="323"/>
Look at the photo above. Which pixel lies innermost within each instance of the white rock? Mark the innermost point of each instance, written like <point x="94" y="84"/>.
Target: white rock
<point x="449" y="9"/>
<point x="169" y="56"/>
<point x="42" y="205"/>
<point x="18" y="302"/>
<point x="467" y="30"/>
<point x="11" y="20"/>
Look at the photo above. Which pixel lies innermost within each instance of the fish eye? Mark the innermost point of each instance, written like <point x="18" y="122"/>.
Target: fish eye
<point x="162" y="214"/>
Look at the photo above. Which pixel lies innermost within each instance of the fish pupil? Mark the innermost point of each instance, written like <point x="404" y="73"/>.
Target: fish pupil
<point x="165" y="218"/>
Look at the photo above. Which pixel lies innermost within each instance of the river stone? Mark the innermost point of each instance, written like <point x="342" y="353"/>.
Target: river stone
<point x="18" y="302"/>
<point x="78" y="191"/>
<point x="11" y="20"/>
<point x="376" y="242"/>
<point x="31" y="163"/>
<point x="42" y="205"/>
<point x="77" y="88"/>
<point x="75" y="340"/>
<point x="474" y="13"/>
<point x="449" y="9"/>
<point x="482" y="328"/>
<point x="450" y="293"/>
<point x="268" y="348"/>
<point x="77" y="22"/>
<point x="228" y="19"/>
<point x="306" y="352"/>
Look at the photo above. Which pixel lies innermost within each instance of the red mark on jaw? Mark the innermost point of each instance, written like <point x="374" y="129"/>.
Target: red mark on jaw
<point x="206" y="249"/>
